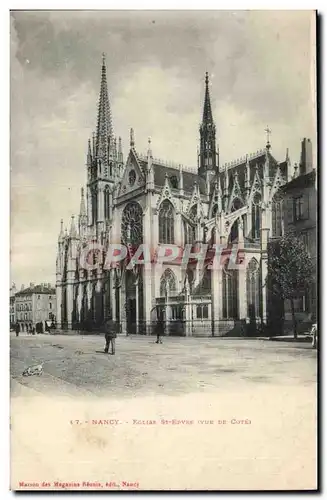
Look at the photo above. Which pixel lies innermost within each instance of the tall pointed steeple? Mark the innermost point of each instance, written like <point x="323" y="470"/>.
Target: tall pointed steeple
<point x="208" y="157"/>
<point x="104" y="132"/>
<point x="207" y="113"/>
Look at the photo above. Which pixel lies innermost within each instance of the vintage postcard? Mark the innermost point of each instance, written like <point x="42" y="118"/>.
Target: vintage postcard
<point x="163" y="300"/>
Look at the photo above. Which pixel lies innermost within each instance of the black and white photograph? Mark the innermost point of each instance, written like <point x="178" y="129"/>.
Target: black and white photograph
<point x="163" y="250"/>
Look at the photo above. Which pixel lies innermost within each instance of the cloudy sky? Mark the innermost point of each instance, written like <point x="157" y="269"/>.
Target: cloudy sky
<point x="261" y="67"/>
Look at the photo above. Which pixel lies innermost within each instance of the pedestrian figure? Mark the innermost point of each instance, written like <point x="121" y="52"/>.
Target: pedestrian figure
<point x="110" y="336"/>
<point x="17" y="329"/>
<point x="159" y="329"/>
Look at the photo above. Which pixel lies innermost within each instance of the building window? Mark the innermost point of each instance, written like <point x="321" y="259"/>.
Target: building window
<point x="166" y="222"/>
<point x="202" y="312"/>
<point x="38" y="297"/>
<point x="189" y="233"/>
<point x="253" y="288"/>
<point x="300" y="208"/>
<point x="174" y="182"/>
<point x="230" y="293"/>
<point x="50" y="306"/>
<point x="167" y="283"/>
<point x="277" y="215"/>
<point x="176" y="313"/>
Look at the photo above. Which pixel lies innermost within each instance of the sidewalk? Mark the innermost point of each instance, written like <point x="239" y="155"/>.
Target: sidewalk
<point x="289" y="338"/>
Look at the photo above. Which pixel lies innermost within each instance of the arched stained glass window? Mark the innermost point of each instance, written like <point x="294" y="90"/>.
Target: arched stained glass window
<point x="132" y="224"/>
<point x="256" y="216"/>
<point x="253" y="288"/>
<point x="230" y="293"/>
<point x="167" y="283"/>
<point x="166" y="222"/>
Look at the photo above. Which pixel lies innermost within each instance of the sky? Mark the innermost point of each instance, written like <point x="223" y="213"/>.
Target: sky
<point x="261" y="66"/>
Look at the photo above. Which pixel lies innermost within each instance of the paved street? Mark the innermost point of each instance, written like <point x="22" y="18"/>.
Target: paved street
<point x="228" y="413"/>
<point x="178" y="366"/>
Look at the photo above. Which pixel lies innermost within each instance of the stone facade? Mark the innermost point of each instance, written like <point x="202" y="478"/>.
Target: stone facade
<point x="35" y="304"/>
<point x="148" y="201"/>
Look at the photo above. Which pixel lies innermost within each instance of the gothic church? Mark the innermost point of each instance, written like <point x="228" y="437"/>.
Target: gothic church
<point x="149" y="201"/>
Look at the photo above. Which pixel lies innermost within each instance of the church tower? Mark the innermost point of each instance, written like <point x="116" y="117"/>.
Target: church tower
<point x="208" y="161"/>
<point x="104" y="162"/>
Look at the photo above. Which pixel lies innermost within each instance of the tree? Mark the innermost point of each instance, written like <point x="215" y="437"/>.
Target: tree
<point x="290" y="270"/>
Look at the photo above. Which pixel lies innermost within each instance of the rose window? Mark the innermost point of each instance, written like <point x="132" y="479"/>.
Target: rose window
<point x="131" y="226"/>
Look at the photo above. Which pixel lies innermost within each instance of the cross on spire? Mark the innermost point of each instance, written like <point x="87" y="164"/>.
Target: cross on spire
<point x="268" y="132"/>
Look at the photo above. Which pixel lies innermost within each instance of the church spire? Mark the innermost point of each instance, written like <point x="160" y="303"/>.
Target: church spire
<point x="208" y="158"/>
<point x="104" y="131"/>
<point x="207" y="113"/>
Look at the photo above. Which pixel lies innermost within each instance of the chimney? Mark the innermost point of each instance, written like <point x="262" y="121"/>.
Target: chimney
<point x="32" y="285"/>
<point x="22" y="288"/>
<point x="306" y="157"/>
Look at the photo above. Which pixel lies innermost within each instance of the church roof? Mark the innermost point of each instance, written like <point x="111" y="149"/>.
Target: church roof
<point x="255" y="160"/>
<point x="189" y="177"/>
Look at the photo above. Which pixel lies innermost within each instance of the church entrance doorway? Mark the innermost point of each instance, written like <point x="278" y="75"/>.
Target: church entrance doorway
<point x="131" y="315"/>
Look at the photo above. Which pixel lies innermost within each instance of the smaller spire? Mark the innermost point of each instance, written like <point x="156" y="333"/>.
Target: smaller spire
<point x="132" y="139"/>
<point x="93" y="143"/>
<point x="72" y="232"/>
<point x="89" y="154"/>
<point x="61" y="234"/>
<point x="82" y="211"/>
<point x="181" y="180"/>
<point x="296" y="168"/>
<point x="149" y="148"/>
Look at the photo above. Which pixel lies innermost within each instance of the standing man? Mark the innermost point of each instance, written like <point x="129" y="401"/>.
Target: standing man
<point x="17" y="329"/>
<point x="110" y="336"/>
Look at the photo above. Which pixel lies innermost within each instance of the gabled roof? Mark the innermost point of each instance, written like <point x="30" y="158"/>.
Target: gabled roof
<point x="38" y="289"/>
<point x="301" y="182"/>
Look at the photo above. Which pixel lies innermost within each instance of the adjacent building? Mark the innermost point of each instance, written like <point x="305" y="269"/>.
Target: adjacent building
<point x="12" y="307"/>
<point x="35" y="305"/>
<point x="145" y="200"/>
<point x="300" y="217"/>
